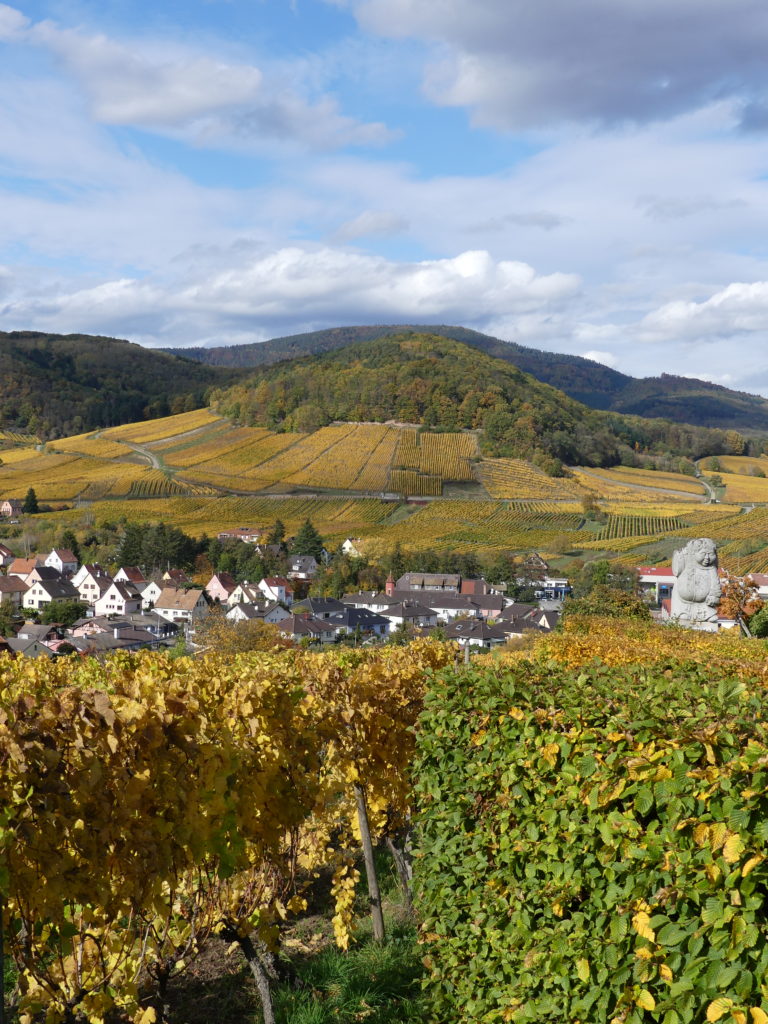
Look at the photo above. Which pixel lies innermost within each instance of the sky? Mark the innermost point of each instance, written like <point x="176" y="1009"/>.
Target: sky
<point x="586" y="177"/>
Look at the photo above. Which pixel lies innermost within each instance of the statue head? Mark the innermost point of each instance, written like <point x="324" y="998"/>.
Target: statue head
<point x="699" y="553"/>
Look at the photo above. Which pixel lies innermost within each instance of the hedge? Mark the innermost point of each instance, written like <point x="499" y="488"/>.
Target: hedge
<point x="592" y="844"/>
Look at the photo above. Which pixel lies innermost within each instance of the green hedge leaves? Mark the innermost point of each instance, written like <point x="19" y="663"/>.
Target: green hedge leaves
<point x="592" y="844"/>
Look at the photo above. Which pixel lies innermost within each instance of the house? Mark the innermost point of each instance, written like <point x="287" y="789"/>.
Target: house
<point x="553" y="588"/>
<point x="321" y="607"/>
<point x="11" y="508"/>
<point x="759" y="580"/>
<point x="656" y="582"/>
<point x="12" y="589"/>
<point x="44" y="574"/>
<point x="149" y="593"/>
<point x="220" y="586"/>
<point x="299" y="627"/>
<point x="6" y="556"/>
<point x="130" y="574"/>
<point x="175" y="578"/>
<point x="42" y="592"/>
<point x="271" y="612"/>
<point x="353" y="620"/>
<point x="63" y="560"/>
<point x="29" y="648"/>
<point x="476" y="633"/>
<point x="91" y="582"/>
<point x="373" y="600"/>
<point x="118" y="599"/>
<point x="244" y="533"/>
<point x="43" y="634"/>
<point x="22" y="567"/>
<point x="410" y="613"/>
<point x="120" y="638"/>
<point x="277" y="588"/>
<point x="429" y="581"/>
<point x="447" y="606"/>
<point x="245" y="593"/>
<point x="181" y="605"/>
<point x="474" y="588"/>
<point x="302" y="567"/>
<point x="352" y="547"/>
<point x="159" y="627"/>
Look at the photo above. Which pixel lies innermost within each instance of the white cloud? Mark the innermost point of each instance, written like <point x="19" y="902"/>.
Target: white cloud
<point x="370" y="223"/>
<point x="12" y="23"/>
<point x="192" y="95"/>
<point x="521" y="64"/>
<point x="298" y="287"/>
<point x="606" y="358"/>
<point x="129" y="87"/>
<point x="736" y="310"/>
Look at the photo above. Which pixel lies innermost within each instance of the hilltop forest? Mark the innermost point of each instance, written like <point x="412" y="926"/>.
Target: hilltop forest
<point x="53" y="385"/>
<point x="446" y="385"/>
<point x="681" y="399"/>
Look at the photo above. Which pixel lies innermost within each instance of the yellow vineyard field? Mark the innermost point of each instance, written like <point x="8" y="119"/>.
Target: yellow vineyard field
<point x="622" y="485"/>
<point x="514" y="478"/>
<point x="441" y="455"/>
<point x="168" y="426"/>
<point x="741" y="488"/>
<point x="87" y="444"/>
<point x="743" y="464"/>
<point x="335" y="518"/>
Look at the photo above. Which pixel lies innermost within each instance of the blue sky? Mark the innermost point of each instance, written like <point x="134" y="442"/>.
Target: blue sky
<point x="588" y="178"/>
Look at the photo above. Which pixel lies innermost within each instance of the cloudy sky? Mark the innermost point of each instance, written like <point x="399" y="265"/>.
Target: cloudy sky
<point x="583" y="177"/>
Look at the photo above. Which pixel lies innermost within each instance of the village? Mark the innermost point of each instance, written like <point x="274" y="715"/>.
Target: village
<point x="58" y="605"/>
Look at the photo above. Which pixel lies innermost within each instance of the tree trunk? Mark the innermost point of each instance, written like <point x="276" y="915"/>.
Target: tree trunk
<point x="260" y="976"/>
<point x="374" y="897"/>
<point x="403" y="871"/>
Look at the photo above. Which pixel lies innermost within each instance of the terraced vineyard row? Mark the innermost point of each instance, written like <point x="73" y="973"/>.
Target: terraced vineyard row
<point x="487" y="524"/>
<point x="514" y="478"/>
<point x="447" y="456"/>
<point x="344" y="457"/>
<point x="614" y="485"/>
<point x="335" y="518"/>
<point x="639" y="526"/>
<point x="87" y="444"/>
<point x="410" y="483"/>
<point x="167" y="426"/>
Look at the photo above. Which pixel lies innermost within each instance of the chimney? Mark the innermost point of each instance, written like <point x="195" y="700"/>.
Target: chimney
<point x="390" y="585"/>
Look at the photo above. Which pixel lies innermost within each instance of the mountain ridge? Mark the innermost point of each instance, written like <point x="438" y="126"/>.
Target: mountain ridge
<point x="667" y="396"/>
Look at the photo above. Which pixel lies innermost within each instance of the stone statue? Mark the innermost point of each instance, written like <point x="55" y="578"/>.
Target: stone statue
<point x="696" y="594"/>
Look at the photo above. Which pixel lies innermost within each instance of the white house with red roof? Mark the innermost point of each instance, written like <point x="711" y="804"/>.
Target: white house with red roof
<point x="118" y="599"/>
<point x="277" y="588"/>
<point x="63" y="560"/>
<point x="657" y="580"/>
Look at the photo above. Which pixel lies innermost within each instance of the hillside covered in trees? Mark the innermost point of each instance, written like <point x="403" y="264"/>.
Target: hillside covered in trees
<point x="53" y="385"/>
<point x="444" y="384"/>
<point x="681" y="399"/>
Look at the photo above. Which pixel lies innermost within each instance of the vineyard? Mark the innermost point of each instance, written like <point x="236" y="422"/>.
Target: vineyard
<point x="626" y="484"/>
<point x="408" y="482"/>
<point x="160" y="429"/>
<point x="744" y="489"/>
<point x="514" y="478"/>
<point x="639" y="526"/>
<point x="221" y="787"/>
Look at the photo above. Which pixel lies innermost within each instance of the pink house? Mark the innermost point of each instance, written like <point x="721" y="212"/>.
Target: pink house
<point x="220" y="587"/>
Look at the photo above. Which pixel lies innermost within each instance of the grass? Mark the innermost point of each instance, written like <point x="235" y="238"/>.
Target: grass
<point x="372" y="983"/>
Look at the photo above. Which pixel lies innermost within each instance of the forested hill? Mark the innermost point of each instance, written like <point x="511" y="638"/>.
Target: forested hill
<point x="682" y="399"/>
<point x="53" y="385"/>
<point x="445" y="384"/>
